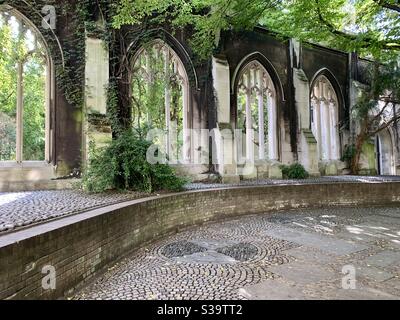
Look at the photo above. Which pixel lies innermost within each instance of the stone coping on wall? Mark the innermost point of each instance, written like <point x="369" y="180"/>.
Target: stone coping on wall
<point x="80" y="246"/>
<point x="20" y="210"/>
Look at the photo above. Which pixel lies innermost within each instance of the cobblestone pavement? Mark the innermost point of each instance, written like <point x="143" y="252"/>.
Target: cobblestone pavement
<point x="330" y="179"/>
<point x="22" y="209"/>
<point x="26" y="208"/>
<point x="308" y="254"/>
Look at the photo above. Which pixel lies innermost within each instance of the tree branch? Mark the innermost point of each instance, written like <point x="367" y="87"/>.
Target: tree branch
<point x="381" y="112"/>
<point x="6" y="100"/>
<point x="388" y="45"/>
<point x="386" y="125"/>
<point x="390" y="6"/>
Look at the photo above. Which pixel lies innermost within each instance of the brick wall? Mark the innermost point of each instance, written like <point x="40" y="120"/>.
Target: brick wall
<point x="80" y="246"/>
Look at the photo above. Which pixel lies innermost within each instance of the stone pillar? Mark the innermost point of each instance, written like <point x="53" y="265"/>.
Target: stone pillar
<point x="224" y="141"/>
<point x="221" y="83"/>
<point x="317" y="121"/>
<point x="272" y="130"/>
<point x="325" y="131"/>
<point x="308" y="152"/>
<point x="49" y="97"/>
<point x="334" y="132"/>
<point x="20" y="108"/>
<point x="249" y="125"/>
<point x="261" y="128"/>
<point x="167" y="103"/>
<point x="97" y="129"/>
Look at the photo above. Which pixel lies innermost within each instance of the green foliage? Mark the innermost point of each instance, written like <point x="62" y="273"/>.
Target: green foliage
<point x="16" y="48"/>
<point x="123" y="165"/>
<point x="34" y="111"/>
<point x="384" y="87"/>
<point x="370" y="27"/>
<point x="375" y="109"/>
<point x="8" y="138"/>
<point x="152" y="77"/>
<point x="294" y="171"/>
<point x="348" y="153"/>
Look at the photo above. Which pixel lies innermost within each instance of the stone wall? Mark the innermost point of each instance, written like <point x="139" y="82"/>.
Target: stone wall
<point x="80" y="246"/>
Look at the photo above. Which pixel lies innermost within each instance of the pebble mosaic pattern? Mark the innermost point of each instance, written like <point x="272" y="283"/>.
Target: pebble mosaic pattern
<point x="180" y="249"/>
<point x="241" y="252"/>
<point x="227" y="260"/>
<point x="157" y="272"/>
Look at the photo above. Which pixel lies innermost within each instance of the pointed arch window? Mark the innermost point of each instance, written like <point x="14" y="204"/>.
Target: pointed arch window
<point x="257" y="113"/>
<point x="324" y="120"/>
<point x="25" y="90"/>
<point x="160" y="92"/>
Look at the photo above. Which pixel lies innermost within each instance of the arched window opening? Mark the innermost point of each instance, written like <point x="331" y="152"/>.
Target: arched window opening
<point x="384" y="153"/>
<point x="256" y="114"/>
<point x="160" y="97"/>
<point x="324" y="119"/>
<point x="24" y="90"/>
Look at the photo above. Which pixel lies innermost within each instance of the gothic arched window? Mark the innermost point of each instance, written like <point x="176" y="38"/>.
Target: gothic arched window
<point x="324" y="120"/>
<point x="256" y="114"/>
<point x="160" y="92"/>
<point x="24" y="89"/>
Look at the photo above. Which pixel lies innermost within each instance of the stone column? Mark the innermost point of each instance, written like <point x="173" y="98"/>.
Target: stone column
<point x="325" y="130"/>
<point x="149" y="83"/>
<point x="272" y="129"/>
<point x="249" y="123"/>
<point x="224" y="143"/>
<point x="308" y="153"/>
<point x="97" y="129"/>
<point x="261" y="127"/>
<point x="186" y="130"/>
<point x="20" y="108"/>
<point x="317" y="125"/>
<point x="334" y="132"/>
<point x="48" y="95"/>
<point x="167" y="102"/>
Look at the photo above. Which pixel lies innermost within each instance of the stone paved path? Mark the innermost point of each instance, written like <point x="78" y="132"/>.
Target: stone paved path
<point x="286" y="255"/>
<point x="331" y="179"/>
<point x="26" y="208"/>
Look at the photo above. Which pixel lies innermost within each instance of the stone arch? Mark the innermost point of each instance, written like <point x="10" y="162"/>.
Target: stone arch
<point x="269" y="67"/>
<point x="34" y="17"/>
<point x="174" y="44"/>
<point x="336" y="86"/>
<point x="257" y="112"/>
<point x="40" y="49"/>
<point x="325" y="107"/>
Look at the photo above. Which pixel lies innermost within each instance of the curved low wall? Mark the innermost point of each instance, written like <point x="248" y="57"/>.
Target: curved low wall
<point x="80" y="246"/>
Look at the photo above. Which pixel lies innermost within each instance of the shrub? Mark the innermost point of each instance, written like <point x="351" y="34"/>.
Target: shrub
<point x="123" y="165"/>
<point x="348" y="153"/>
<point x="294" y="171"/>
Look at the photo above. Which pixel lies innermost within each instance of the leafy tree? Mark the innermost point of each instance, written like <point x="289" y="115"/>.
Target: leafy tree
<point x="368" y="26"/>
<point x="17" y="47"/>
<point x="376" y="108"/>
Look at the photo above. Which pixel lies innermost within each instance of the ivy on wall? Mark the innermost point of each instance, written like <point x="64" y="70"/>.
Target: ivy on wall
<point x="67" y="42"/>
<point x="77" y="19"/>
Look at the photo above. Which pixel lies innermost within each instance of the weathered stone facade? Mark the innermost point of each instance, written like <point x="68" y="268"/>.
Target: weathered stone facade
<point x="293" y="68"/>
